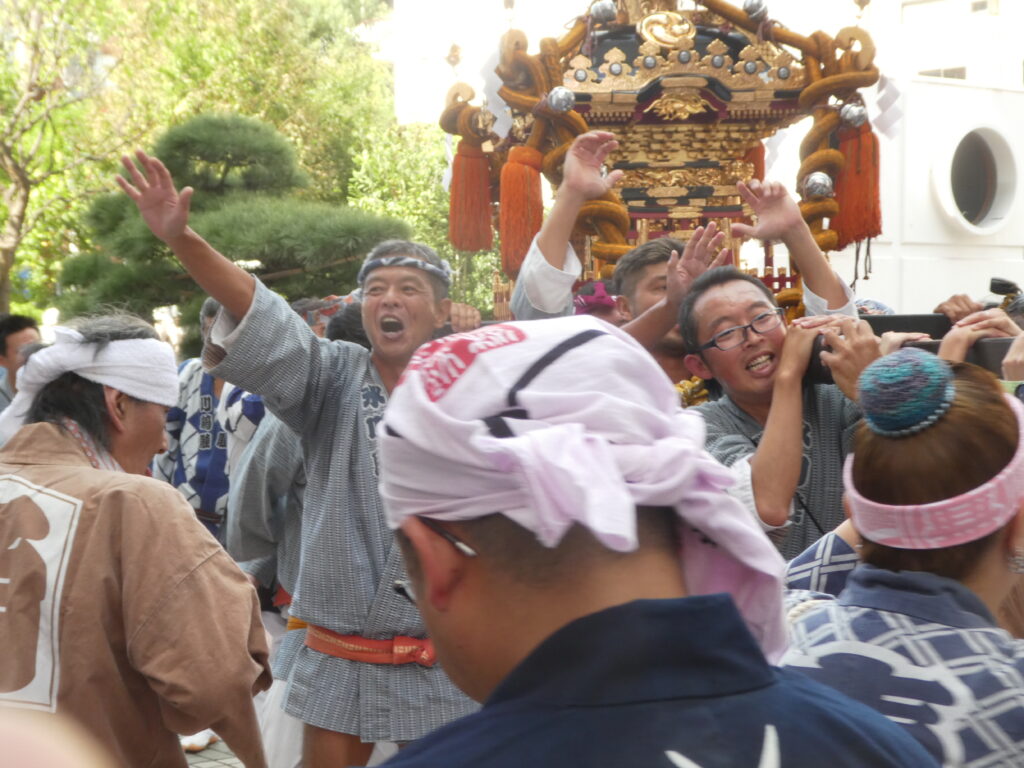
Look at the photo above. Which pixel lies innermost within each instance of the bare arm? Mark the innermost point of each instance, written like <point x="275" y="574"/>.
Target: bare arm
<point x="778" y="218"/>
<point x="165" y="211"/>
<point x="775" y="465"/>
<point x="960" y="338"/>
<point x="582" y="180"/>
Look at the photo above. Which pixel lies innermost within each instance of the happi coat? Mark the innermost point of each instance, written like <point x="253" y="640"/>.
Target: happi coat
<point x="667" y="684"/>
<point x="264" y="524"/>
<point x="195" y="461"/>
<point x="119" y="610"/>
<point x="919" y="648"/>
<point x="331" y="395"/>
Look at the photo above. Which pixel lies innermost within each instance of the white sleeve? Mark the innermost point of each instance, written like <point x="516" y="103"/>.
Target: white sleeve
<point x="743" y="492"/>
<point x="226" y="329"/>
<point x="545" y="288"/>
<point x="815" y="305"/>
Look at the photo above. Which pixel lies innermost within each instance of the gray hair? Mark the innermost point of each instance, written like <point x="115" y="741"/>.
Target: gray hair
<point x="417" y="251"/>
<point x="72" y="397"/>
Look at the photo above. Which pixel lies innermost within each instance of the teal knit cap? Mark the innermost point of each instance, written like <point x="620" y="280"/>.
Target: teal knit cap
<point x="905" y="392"/>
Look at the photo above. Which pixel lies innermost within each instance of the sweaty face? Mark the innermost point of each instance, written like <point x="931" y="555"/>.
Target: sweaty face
<point x="399" y="311"/>
<point x="746" y="372"/>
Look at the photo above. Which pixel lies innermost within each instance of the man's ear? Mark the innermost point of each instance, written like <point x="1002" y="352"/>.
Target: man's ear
<point x="622" y="304"/>
<point x="696" y="365"/>
<point x="441" y="567"/>
<point x="442" y="311"/>
<point x="116" y="402"/>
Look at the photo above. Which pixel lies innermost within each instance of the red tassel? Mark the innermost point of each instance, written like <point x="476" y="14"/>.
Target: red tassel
<point x="469" y="207"/>
<point x="860" y="212"/>
<point x="522" y="208"/>
<point x="755" y="155"/>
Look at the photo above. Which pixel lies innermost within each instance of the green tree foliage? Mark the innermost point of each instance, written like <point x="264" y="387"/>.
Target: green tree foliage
<point x="54" y="68"/>
<point x="246" y="204"/>
<point x="399" y="173"/>
<point x="82" y="81"/>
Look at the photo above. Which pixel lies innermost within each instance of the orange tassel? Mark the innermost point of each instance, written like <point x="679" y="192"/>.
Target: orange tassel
<point x="755" y="155"/>
<point x="469" y="207"/>
<point x="522" y="208"/>
<point x="856" y="191"/>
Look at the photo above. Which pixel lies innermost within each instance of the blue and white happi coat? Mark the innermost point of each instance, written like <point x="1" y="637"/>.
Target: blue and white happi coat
<point x="919" y="648"/>
<point x="196" y="458"/>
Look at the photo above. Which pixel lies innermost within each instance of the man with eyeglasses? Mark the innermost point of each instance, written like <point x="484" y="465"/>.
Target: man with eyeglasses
<point x="785" y="439"/>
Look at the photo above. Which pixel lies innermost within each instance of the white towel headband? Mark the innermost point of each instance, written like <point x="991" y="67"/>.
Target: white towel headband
<point x="142" y="368"/>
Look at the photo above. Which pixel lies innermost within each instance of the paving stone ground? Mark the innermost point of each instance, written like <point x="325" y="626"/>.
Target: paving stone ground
<point x="215" y="756"/>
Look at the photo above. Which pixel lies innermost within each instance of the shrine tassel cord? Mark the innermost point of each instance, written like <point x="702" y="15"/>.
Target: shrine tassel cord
<point x="860" y="213"/>
<point x="469" y="213"/>
<point x="755" y="155"/>
<point x="522" y="209"/>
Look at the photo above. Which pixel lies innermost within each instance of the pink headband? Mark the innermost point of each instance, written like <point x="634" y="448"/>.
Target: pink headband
<point x="600" y="298"/>
<point x="967" y="517"/>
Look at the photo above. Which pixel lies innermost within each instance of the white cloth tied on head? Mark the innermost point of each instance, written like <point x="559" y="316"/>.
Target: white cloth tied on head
<point x="566" y="421"/>
<point x="142" y="368"/>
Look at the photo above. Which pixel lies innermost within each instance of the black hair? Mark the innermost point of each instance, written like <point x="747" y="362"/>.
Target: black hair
<point x="347" y="325"/>
<point x="688" y="320"/>
<point x="517" y="552"/>
<point x="73" y="397"/>
<point x="12" y="324"/>
<point x="632" y="265"/>
<point x="210" y="308"/>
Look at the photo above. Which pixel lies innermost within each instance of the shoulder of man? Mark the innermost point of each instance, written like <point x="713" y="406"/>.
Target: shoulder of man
<point x="147" y="506"/>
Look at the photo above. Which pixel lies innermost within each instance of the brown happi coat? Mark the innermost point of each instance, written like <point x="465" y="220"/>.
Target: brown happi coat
<point x="119" y="609"/>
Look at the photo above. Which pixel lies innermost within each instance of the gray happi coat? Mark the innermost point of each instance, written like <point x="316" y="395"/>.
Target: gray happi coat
<point x="332" y="396"/>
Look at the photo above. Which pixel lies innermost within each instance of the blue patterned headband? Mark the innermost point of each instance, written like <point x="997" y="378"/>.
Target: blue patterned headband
<point x="442" y="273"/>
<point x="905" y="392"/>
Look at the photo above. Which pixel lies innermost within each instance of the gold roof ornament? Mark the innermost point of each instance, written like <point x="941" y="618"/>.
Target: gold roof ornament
<point x="690" y="95"/>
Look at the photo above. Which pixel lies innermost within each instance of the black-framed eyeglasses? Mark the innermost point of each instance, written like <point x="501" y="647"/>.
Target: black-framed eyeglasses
<point x="404" y="587"/>
<point x="732" y="337"/>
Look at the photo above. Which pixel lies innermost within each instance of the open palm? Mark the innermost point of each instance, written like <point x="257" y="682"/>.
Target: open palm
<point x="703" y="252"/>
<point x="776" y="212"/>
<point x="583" y="170"/>
<point x="163" y="208"/>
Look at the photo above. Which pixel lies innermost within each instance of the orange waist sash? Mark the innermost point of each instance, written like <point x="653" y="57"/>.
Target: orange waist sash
<point x="398" y="650"/>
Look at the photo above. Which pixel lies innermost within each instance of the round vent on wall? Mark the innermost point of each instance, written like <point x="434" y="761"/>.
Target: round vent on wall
<point x="977" y="181"/>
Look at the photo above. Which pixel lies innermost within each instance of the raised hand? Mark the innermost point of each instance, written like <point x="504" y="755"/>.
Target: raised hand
<point x="893" y="340"/>
<point x="777" y="214"/>
<point x="463" y="317"/>
<point x="957" y="307"/>
<point x="583" y="172"/>
<point x="994" y="319"/>
<point x="854" y="347"/>
<point x="163" y="208"/>
<point x="704" y="251"/>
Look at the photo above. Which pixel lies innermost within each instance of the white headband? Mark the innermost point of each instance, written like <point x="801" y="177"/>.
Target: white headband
<point x="556" y="422"/>
<point x="142" y="368"/>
